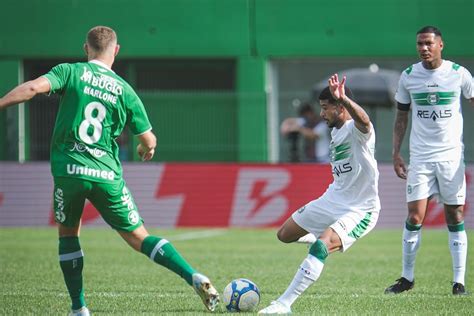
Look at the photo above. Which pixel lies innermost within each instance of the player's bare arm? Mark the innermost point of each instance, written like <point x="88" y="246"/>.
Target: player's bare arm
<point x="360" y="117"/>
<point x="146" y="148"/>
<point x="291" y="125"/>
<point x="399" y="130"/>
<point x="25" y="92"/>
<point x="308" y="133"/>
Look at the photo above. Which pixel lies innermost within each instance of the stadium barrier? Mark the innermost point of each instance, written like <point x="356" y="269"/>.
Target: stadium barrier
<point x="207" y="195"/>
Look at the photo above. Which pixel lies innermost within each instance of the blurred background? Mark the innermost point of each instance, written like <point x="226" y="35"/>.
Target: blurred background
<point x="218" y="77"/>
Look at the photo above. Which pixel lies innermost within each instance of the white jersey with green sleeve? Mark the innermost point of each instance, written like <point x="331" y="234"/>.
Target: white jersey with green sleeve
<point x="435" y="99"/>
<point x="95" y="106"/>
<point x="354" y="169"/>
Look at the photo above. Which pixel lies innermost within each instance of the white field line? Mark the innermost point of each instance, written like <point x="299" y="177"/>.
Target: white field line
<point x="198" y="234"/>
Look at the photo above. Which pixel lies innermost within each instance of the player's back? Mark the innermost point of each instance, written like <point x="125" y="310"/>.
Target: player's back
<point x="95" y="106"/>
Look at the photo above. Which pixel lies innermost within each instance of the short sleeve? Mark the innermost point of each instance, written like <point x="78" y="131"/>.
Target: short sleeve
<point x="58" y="77"/>
<point x="402" y="95"/>
<point x="137" y="117"/>
<point x="467" y="84"/>
<point x="361" y="137"/>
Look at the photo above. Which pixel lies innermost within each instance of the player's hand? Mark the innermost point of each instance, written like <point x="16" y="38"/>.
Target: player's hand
<point x="399" y="167"/>
<point x="337" y="88"/>
<point x="289" y="125"/>
<point x="144" y="154"/>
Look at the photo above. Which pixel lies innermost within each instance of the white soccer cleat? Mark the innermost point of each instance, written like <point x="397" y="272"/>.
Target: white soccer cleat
<point x="307" y="239"/>
<point x="276" y="308"/>
<point x="83" y="311"/>
<point x="207" y="292"/>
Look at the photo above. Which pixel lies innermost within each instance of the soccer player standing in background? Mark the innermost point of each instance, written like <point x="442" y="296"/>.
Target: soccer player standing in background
<point x="96" y="104"/>
<point x="432" y="88"/>
<point x="350" y="207"/>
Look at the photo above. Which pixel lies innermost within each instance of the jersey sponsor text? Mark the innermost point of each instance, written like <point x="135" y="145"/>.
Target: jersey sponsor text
<point x="86" y="171"/>
<point x="102" y="82"/>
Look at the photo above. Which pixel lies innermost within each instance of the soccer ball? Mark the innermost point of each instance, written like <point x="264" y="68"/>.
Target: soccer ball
<point x="241" y="295"/>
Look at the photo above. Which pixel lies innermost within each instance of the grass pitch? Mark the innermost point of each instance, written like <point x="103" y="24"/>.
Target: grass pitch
<point x="119" y="281"/>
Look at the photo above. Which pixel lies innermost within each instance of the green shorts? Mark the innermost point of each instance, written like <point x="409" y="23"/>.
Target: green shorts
<point x="113" y="201"/>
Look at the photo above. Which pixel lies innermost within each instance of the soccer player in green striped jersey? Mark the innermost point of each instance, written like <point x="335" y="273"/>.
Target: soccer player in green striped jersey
<point x="432" y="90"/>
<point x="95" y="106"/>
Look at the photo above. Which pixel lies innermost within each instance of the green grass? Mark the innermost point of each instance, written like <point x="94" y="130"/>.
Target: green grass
<point x="120" y="281"/>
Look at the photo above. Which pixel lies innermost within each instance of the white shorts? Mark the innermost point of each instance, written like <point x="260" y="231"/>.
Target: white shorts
<point x="318" y="215"/>
<point x="446" y="179"/>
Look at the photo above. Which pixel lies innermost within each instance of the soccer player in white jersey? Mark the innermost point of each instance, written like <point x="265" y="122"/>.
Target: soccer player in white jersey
<point x="350" y="206"/>
<point x="432" y="89"/>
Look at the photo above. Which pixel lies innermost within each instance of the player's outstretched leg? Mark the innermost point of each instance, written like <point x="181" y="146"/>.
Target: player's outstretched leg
<point x="162" y="252"/>
<point x="307" y="274"/>
<point x="71" y="260"/>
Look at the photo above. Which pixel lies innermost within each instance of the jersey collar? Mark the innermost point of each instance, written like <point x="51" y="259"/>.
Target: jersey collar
<point x="99" y="63"/>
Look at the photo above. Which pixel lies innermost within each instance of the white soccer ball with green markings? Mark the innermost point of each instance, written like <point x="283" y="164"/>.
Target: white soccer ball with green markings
<point x="241" y="295"/>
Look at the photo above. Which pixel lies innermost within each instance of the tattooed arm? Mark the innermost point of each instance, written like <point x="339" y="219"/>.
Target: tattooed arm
<point x="399" y="130"/>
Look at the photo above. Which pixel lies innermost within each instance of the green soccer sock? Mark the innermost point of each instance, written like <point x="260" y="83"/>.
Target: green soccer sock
<point x="319" y="250"/>
<point x="71" y="260"/>
<point x="162" y="252"/>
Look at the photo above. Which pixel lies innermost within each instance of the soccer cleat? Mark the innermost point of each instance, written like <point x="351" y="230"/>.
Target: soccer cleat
<point x="402" y="285"/>
<point x="307" y="239"/>
<point x="206" y="291"/>
<point x="458" y="289"/>
<point x="276" y="308"/>
<point x="83" y="311"/>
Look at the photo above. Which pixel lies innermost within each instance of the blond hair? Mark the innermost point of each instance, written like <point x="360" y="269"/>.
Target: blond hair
<point x="99" y="38"/>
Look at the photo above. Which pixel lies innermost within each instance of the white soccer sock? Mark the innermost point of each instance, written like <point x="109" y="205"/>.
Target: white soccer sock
<point x="307" y="274"/>
<point x="411" y="243"/>
<point x="458" y="249"/>
<point x="307" y="239"/>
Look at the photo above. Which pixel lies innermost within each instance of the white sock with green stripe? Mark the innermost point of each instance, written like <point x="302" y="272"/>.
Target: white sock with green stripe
<point x="307" y="274"/>
<point x="410" y="244"/>
<point x="458" y="249"/>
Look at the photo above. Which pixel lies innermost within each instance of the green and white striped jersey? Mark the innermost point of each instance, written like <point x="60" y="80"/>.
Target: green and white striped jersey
<point x="435" y="98"/>
<point x="354" y="168"/>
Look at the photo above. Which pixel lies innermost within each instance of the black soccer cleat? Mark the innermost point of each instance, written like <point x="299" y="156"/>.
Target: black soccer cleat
<point x="458" y="289"/>
<point x="402" y="285"/>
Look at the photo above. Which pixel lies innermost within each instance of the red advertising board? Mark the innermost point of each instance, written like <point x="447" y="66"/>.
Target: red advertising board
<point x="242" y="195"/>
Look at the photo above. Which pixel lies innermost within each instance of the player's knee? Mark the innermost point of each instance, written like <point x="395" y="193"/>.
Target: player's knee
<point x="283" y="235"/>
<point x="414" y="219"/>
<point x="454" y="214"/>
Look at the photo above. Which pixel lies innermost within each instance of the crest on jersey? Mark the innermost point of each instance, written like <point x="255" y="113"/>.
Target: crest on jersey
<point x="432" y="98"/>
<point x="133" y="217"/>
